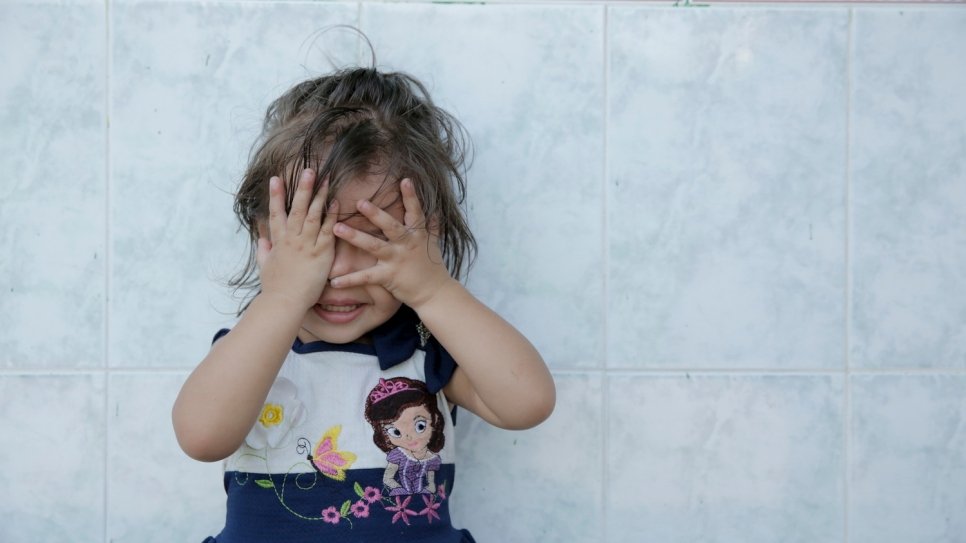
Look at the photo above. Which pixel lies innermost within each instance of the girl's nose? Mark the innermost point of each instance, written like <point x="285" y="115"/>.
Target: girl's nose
<point x="347" y="259"/>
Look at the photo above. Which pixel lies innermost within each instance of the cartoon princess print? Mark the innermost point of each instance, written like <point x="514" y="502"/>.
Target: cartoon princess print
<point x="408" y="425"/>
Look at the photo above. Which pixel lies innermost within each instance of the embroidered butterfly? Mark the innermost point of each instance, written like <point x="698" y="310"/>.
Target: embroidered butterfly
<point x="326" y="457"/>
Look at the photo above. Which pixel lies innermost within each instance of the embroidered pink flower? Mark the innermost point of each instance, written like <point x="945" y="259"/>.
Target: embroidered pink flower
<point x="331" y="515"/>
<point x="360" y="509"/>
<point x="431" y="507"/>
<point x="441" y="492"/>
<point x="372" y="495"/>
<point x="401" y="511"/>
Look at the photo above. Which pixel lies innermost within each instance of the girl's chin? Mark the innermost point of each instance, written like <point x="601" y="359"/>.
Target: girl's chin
<point x="307" y="335"/>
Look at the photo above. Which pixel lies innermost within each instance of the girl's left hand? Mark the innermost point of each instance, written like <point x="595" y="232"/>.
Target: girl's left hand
<point x="409" y="262"/>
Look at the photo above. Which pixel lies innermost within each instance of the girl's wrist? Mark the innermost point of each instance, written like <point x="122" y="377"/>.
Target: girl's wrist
<point x="280" y="303"/>
<point x="447" y="289"/>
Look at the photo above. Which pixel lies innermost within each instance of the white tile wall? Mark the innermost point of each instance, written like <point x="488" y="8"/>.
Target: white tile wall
<point x="52" y="435"/>
<point x="52" y="198"/>
<point x="541" y="485"/>
<point x="751" y="458"/>
<point x="726" y="205"/>
<point x="735" y="232"/>
<point x="908" y="467"/>
<point x="155" y="492"/>
<point x="909" y="195"/>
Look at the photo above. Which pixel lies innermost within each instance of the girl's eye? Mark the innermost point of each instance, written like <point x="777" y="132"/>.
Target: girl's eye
<point x="392" y="431"/>
<point x="421" y="426"/>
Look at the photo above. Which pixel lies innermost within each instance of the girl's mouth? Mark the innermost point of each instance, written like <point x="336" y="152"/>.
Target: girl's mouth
<point x="339" y="308"/>
<point x="338" y="313"/>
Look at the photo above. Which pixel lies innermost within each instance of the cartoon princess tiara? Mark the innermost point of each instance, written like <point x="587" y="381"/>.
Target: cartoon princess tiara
<point x="387" y="388"/>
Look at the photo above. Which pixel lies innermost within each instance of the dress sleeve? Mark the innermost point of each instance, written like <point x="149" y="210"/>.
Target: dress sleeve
<point x="439" y="367"/>
<point x="396" y="456"/>
<point x="218" y="335"/>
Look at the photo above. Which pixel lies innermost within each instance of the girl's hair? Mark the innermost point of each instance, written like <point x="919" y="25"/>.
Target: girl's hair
<point x="353" y="123"/>
<point x="393" y="396"/>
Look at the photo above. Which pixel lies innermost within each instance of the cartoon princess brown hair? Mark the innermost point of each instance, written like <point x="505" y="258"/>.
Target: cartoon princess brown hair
<point x="388" y="400"/>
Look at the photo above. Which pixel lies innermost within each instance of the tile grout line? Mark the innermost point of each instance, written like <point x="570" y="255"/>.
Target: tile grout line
<point x="847" y="385"/>
<point x="605" y="386"/>
<point x="108" y="43"/>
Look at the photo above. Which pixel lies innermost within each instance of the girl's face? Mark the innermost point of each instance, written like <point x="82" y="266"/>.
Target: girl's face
<point x="412" y="430"/>
<point x="344" y="315"/>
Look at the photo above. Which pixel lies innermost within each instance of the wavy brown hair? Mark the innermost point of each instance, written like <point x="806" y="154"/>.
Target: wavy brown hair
<point x="353" y="123"/>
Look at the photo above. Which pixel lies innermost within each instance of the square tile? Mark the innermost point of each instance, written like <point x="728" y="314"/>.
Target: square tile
<point x="52" y="450"/>
<point x="908" y="481"/>
<point x="749" y="458"/>
<point x="190" y="85"/>
<point x="537" y="485"/>
<point x="908" y="243"/>
<point x="52" y="227"/>
<point x="726" y="188"/>
<point x="143" y="456"/>
<point x="527" y="83"/>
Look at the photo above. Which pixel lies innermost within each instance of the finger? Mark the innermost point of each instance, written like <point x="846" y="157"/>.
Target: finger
<point x="276" y="208"/>
<point x="414" y="209"/>
<point x="300" y="203"/>
<point x="368" y="276"/>
<point x="379" y="217"/>
<point x="314" y="218"/>
<point x="360" y="239"/>
<point x="261" y="253"/>
<point x="331" y="216"/>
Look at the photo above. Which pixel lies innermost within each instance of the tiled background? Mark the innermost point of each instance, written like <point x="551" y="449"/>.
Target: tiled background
<point x="737" y="233"/>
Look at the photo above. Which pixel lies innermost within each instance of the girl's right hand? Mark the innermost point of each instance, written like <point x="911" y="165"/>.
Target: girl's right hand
<point x="295" y="262"/>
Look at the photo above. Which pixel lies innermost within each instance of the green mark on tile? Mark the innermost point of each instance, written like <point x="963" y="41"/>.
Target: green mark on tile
<point x="689" y="4"/>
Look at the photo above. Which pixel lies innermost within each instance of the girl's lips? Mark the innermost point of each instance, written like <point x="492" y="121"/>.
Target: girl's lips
<point x="340" y="313"/>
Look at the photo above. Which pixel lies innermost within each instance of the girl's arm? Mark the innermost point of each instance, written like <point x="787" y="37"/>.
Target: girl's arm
<point x="501" y="377"/>
<point x="223" y="396"/>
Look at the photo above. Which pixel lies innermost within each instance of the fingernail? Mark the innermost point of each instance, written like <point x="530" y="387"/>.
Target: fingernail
<point x="273" y="183"/>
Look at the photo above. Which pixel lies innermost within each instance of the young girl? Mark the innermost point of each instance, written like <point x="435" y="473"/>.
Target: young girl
<point x="332" y="397"/>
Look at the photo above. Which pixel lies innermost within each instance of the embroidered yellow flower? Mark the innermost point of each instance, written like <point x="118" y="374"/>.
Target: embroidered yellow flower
<point x="272" y="415"/>
<point x="281" y="411"/>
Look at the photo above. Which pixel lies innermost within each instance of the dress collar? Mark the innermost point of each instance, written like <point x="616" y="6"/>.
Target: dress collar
<point x="393" y="341"/>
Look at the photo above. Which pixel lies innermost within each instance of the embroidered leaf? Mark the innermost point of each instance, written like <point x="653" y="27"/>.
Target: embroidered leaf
<point x="345" y="508"/>
<point x="265" y="483"/>
<point x="358" y="490"/>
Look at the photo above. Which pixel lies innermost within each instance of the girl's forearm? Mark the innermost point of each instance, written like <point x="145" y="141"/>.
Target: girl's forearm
<point x="505" y="371"/>
<point x="223" y="396"/>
